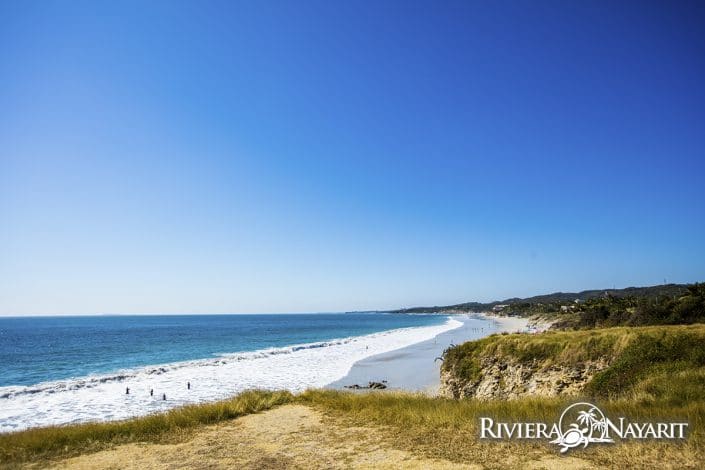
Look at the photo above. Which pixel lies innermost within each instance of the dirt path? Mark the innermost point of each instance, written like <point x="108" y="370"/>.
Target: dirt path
<point x="288" y="437"/>
<point x="292" y="436"/>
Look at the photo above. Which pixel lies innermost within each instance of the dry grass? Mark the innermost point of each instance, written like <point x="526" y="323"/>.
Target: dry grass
<point x="424" y="432"/>
<point x="448" y="429"/>
<point x="292" y="436"/>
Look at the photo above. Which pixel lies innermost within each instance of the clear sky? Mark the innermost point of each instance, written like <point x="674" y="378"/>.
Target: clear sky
<point x="324" y="156"/>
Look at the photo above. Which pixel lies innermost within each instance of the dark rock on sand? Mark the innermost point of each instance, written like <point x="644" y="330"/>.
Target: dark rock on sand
<point x="370" y="385"/>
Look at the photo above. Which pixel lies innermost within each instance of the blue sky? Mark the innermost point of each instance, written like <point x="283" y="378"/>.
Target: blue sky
<point x="325" y="156"/>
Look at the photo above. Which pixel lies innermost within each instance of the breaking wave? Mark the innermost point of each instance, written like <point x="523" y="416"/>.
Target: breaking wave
<point x="103" y="397"/>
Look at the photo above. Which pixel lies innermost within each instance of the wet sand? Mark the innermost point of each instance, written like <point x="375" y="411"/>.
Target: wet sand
<point x="415" y="367"/>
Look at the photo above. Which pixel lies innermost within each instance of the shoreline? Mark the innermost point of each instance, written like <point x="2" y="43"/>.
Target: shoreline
<point x="104" y="397"/>
<point x="416" y="368"/>
<point x="411" y="367"/>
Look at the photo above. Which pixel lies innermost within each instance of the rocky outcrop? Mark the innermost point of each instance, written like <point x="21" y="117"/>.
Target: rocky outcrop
<point x="503" y="379"/>
<point x="370" y="385"/>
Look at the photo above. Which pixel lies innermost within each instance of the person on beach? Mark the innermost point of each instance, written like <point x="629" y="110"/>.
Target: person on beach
<point x="164" y="397"/>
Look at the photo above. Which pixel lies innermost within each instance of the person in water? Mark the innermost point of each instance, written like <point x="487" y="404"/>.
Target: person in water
<point x="188" y="385"/>
<point x="164" y="396"/>
<point x="127" y="391"/>
<point x="151" y="392"/>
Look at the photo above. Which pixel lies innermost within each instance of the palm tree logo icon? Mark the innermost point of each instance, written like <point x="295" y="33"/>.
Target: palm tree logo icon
<point x="582" y="423"/>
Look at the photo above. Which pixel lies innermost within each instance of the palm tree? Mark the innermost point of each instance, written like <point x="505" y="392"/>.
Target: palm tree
<point x="600" y="425"/>
<point x="589" y="417"/>
<point x="585" y="417"/>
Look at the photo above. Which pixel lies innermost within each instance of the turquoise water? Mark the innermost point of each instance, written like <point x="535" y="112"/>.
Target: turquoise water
<point x="40" y="349"/>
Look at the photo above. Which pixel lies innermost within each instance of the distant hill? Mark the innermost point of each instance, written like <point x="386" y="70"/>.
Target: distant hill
<point x="670" y="290"/>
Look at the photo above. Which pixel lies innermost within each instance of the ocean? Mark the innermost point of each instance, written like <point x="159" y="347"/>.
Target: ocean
<point x="58" y="370"/>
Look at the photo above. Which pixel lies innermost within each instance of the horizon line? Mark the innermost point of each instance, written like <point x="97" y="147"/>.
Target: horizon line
<point x="102" y="314"/>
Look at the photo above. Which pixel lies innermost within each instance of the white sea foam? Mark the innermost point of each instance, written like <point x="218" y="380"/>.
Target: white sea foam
<point x="295" y="368"/>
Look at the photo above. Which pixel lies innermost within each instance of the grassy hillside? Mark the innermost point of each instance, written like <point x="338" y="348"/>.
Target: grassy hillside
<point x="664" y="364"/>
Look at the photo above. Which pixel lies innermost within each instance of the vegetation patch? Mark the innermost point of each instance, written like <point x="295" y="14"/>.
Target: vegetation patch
<point x="640" y="359"/>
<point x="656" y="355"/>
<point x="657" y="307"/>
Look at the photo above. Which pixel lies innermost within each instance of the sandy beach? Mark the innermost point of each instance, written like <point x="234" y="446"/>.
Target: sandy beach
<point x="416" y="368"/>
<point x="509" y="324"/>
